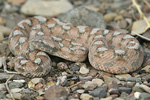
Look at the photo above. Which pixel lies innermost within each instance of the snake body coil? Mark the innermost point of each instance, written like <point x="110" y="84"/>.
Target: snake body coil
<point x="107" y="50"/>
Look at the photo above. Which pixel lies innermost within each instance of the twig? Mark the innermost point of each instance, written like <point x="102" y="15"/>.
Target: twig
<point x="146" y="3"/>
<point x="6" y="83"/>
<point x="134" y="3"/>
<point x="141" y="36"/>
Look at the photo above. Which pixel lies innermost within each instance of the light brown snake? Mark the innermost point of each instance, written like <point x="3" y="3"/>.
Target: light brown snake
<point x="109" y="51"/>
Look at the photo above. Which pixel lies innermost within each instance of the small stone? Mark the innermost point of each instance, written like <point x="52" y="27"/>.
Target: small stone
<point x="80" y="91"/>
<point x="41" y="92"/>
<point x="75" y="67"/>
<point x="99" y="82"/>
<point x="37" y="80"/>
<point x="137" y="95"/>
<point x="134" y="79"/>
<point x="19" y="81"/>
<point x="15" y="95"/>
<point x="137" y="89"/>
<point x="16" y="2"/>
<point x="118" y="99"/>
<point x="118" y="18"/>
<point x="145" y="87"/>
<point x="113" y="88"/>
<point x="31" y="85"/>
<point x="83" y="16"/>
<point x="4" y="30"/>
<point x="126" y="96"/>
<point x="93" y="72"/>
<point x="2" y="86"/>
<point x="2" y="95"/>
<point x="123" y="77"/>
<point x="15" y="85"/>
<point x="82" y="78"/>
<point x="85" y="96"/>
<point x="38" y="86"/>
<point x="84" y="70"/>
<point x="1" y="36"/>
<point x="2" y="21"/>
<point x="144" y="96"/>
<point x="40" y="98"/>
<point x="89" y="85"/>
<point x="45" y="7"/>
<point x="109" y="17"/>
<point x="125" y="89"/>
<point x="108" y="98"/>
<point x="62" y="65"/>
<point x="56" y="93"/>
<point x="107" y="79"/>
<point x="16" y="90"/>
<point x="99" y="92"/>
<point x="146" y="68"/>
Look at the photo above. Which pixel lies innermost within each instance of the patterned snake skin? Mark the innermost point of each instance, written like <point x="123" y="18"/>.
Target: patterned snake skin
<point x="107" y="50"/>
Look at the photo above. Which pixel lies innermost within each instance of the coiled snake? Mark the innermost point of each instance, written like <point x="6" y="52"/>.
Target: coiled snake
<point x="107" y="50"/>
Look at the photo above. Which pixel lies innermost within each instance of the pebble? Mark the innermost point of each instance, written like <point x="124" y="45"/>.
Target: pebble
<point x="89" y="85"/>
<point x="134" y="79"/>
<point x="146" y="68"/>
<point x="41" y="92"/>
<point x="4" y="30"/>
<point x="144" y="96"/>
<point x="83" y="16"/>
<point x="16" y="2"/>
<point x="109" y="17"/>
<point x="99" y="92"/>
<point x="108" y="98"/>
<point x="99" y="82"/>
<point x="84" y="70"/>
<point x="113" y="88"/>
<point x="85" y="96"/>
<point x="15" y="95"/>
<point x="107" y="79"/>
<point x="2" y="21"/>
<point x="137" y="95"/>
<point x="75" y="67"/>
<point x="2" y="95"/>
<point x="126" y="96"/>
<point x="2" y="86"/>
<point x="56" y="93"/>
<point x="37" y="80"/>
<point x="45" y="7"/>
<point x="16" y="90"/>
<point x="38" y="86"/>
<point x="145" y="87"/>
<point x="62" y="65"/>
<point x="15" y="85"/>
<point x="123" y="77"/>
<point x="80" y="91"/>
<point x="19" y="81"/>
<point x="118" y="18"/>
<point x="125" y="89"/>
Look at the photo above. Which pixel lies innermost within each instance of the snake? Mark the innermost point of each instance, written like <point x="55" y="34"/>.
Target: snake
<point x="34" y="39"/>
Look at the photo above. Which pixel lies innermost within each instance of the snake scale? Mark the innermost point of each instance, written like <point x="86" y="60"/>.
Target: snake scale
<point x="107" y="50"/>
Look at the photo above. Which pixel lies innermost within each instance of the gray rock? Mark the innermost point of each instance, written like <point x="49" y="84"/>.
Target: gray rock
<point x="15" y="85"/>
<point x="145" y="96"/>
<point x="56" y="93"/>
<point x="126" y="96"/>
<point x="2" y="95"/>
<point x="99" y="92"/>
<point x="134" y="79"/>
<point x="83" y="16"/>
<point x="46" y="7"/>
<point x="125" y="89"/>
